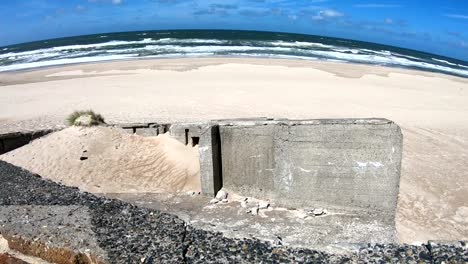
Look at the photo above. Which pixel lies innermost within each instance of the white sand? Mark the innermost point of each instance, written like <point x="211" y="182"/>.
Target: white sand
<point x="432" y="110"/>
<point x="117" y="162"/>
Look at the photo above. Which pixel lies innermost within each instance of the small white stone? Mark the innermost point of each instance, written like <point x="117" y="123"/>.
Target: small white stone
<point x="214" y="201"/>
<point x="254" y="210"/>
<point x="225" y="201"/>
<point x="221" y="195"/>
<point x="263" y="205"/>
<point x="318" y="211"/>
<point x="244" y="204"/>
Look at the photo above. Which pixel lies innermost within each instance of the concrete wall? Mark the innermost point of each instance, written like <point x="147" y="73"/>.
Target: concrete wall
<point x="11" y="141"/>
<point x="206" y="136"/>
<point x="343" y="164"/>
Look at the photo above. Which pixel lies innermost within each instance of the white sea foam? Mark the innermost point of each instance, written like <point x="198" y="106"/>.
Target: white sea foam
<point x="444" y="61"/>
<point x="188" y="41"/>
<point x="299" y="44"/>
<point x="30" y="65"/>
<point x="173" y="47"/>
<point x="77" y="47"/>
<point x="388" y="60"/>
<point x="199" y="49"/>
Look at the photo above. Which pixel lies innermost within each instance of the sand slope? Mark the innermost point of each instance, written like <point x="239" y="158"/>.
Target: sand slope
<point x="117" y="162"/>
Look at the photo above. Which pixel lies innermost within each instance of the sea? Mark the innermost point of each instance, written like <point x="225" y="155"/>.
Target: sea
<point x="218" y="43"/>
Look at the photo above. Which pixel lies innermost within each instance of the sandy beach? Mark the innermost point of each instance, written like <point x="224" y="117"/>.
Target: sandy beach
<point x="432" y="110"/>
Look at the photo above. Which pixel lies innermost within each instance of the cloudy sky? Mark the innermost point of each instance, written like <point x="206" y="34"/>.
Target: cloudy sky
<point x="439" y="27"/>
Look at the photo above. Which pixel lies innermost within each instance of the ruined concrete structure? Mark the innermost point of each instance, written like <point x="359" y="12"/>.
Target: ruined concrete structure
<point x="346" y="166"/>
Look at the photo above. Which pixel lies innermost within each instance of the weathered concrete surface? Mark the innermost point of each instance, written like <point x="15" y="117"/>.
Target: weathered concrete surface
<point x="11" y="141"/>
<point x="205" y="135"/>
<point x="60" y="234"/>
<point x="348" y="165"/>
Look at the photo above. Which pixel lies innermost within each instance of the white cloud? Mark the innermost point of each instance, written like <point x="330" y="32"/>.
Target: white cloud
<point x="388" y="21"/>
<point x="327" y="13"/>
<point x="114" y="2"/>
<point x="457" y="16"/>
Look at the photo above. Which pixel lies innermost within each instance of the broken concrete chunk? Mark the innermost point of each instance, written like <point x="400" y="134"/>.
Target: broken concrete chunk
<point x="221" y="195"/>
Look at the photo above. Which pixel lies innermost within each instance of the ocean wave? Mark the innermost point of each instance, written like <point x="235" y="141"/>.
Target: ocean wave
<point x="199" y="49"/>
<point x="299" y="44"/>
<point x="189" y="41"/>
<point x="192" y="47"/>
<point x="390" y="61"/>
<point x="77" y="47"/>
<point x="445" y="62"/>
<point x="30" y="65"/>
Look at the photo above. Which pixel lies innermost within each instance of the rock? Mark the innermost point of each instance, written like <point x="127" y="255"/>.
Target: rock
<point x="254" y="210"/>
<point x="225" y="201"/>
<point x="278" y="241"/>
<point x="221" y="195"/>
<point x="84" y="120"/>
<point x="263" y="205"/>
<point x="214" y="201"/>
<point x="317" y="212"/>
<point x="244" y="204"/>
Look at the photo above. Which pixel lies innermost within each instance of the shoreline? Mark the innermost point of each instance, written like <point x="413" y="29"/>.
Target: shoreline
<point x="344" y="69"/>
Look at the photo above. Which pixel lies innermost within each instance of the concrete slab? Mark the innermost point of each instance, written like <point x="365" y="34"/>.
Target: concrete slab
<point x="54" y="233"/>
<point x="308" y="163"/>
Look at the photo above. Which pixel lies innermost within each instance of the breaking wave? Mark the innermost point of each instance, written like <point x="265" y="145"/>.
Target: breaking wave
<point x="153" y="45"/>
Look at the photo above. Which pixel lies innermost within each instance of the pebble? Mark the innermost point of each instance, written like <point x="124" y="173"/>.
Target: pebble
<point x="221" y="195"/>
<point x="244" y="204"/>
<point x="214" y="201"/>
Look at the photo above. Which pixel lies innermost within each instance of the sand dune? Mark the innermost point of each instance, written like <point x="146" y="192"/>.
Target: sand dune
<point x="432" y="110"/>
<point x="108" y="160"/>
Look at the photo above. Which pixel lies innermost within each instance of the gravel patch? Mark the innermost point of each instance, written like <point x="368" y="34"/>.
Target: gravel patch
<point x="131" y="234"/>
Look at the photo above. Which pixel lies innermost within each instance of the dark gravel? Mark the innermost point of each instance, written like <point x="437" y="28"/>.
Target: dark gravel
<point x="131" y="234"/>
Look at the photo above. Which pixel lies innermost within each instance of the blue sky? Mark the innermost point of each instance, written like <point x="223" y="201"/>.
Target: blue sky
<point x="439" y="27"/>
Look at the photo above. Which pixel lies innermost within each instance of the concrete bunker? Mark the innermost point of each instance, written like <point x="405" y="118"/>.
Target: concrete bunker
<point x="349" y="167"/>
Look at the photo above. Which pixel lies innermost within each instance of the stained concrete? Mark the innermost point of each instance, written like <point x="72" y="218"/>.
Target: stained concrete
<point x="60" y="233"/>
<point x="205" y="135"/>
<point x="350" y="165"/>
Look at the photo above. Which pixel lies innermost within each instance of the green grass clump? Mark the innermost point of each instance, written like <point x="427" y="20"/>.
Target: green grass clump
<point x="96" y="119"/>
